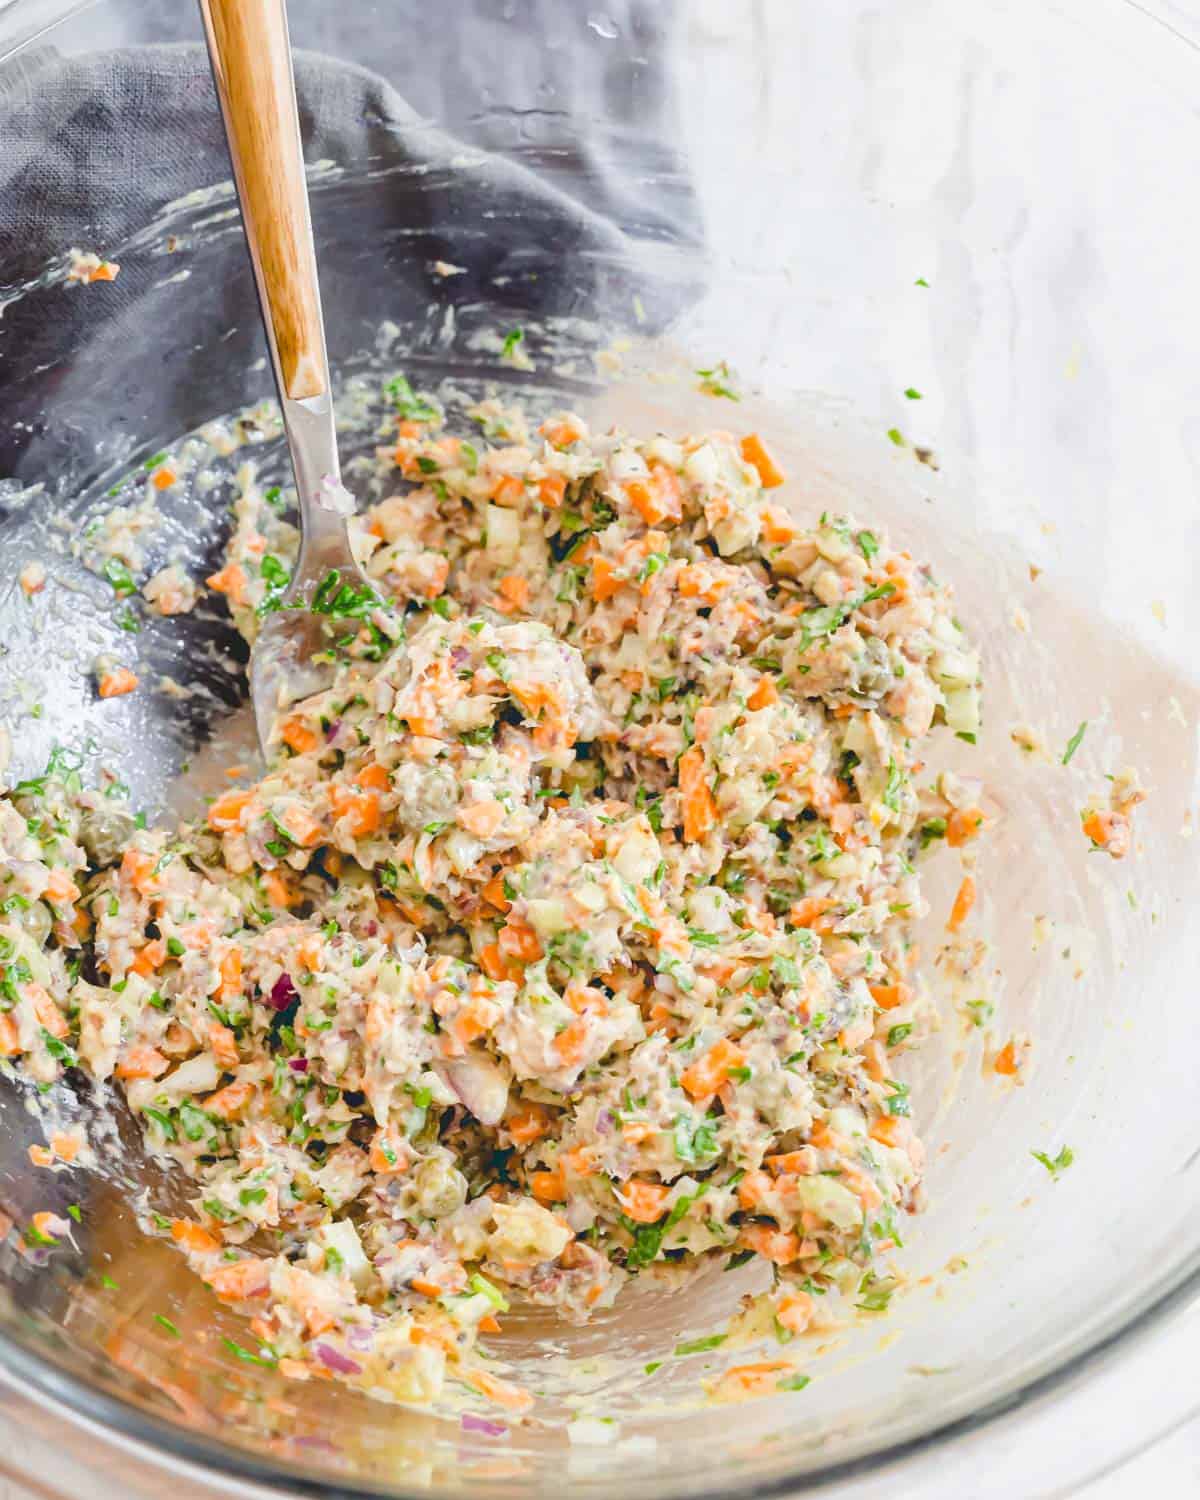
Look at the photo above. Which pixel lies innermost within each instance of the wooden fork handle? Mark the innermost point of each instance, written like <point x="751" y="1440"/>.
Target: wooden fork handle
<point x="252" y="69"/>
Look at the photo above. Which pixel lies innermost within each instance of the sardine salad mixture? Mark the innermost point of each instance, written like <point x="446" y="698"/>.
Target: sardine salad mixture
<point x="567" y="938"/>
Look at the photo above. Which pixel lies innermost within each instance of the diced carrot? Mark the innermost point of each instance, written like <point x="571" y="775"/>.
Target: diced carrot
<point x="194" y="1238"/>
<point x="41" y="1156"/>
<point x="765" y="693"/>
<point x="48" y="1014"/>
<point x="300" y="825"/>
<point x="105" y="271"/>
<point x="164" y="478"/>
<point x="508" y="490"/>
<point x="1008" y="1060"/>
<point x="1099" y="826"/>
<point x="142" y="1061"/>
<point x="529" y="1122"/>
<point x="223" y="1045"/>
<point x="495" y="965"/>
<point x="149" y="958"/>
<point x="570" y="1044"/>
<point x="699" y="807"/>
<point x="493" y="893"/>
<point x="482" y="819"/>
<point x="744" y="1382"/>
<point x="778" y="1245"/>
<point x="10" y="1038"/>
<point x="644" y="1202"/>
<point x="800" y="1163"/>
<point x="514" y="592"/>
<point x="229" y="580"/>
<point x="637" y="1131"/>
<point x="777" y="525"/>
<point x="360" y="809"/>
<point x="116" y="682"/>
<point x="230" y="969"/>
<point x="226" y="812"/>
<point x="502" y="1392"/>
<point x="582" y="1161"/>
<point x="794" y="1311"/>
<point x="605" y="583"/>
<point x="561" y="432"/>
<point x="548" y="1187"/>
<point x="240" y="1280"/>
<point x="963" y="824"/>
<point x="753" y="1189"/>
<point x="373" y="777"/>
<point x="658" y="499"/>
<point x="889" y="996"/>
<point x="388" y="1153"/>
<point x="518" y="940"/>
<point x="230" y="1101"/>
<point x="279" y="892"/>
<point x="755" y="452"/>
<point x="299" y="736"/>
<point x="963" y="903"/>
<point x="708" y="1073"/>
<point x="810" y="912"/>
<point x="65" y="1146"/>
<point x="888" y="1130"/>
<point x="551" y="490"/>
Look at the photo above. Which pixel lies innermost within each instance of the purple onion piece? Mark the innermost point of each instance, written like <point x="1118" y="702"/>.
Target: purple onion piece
<point x="333" y="1359"/>
<point x="298" y="1064"/>
<point x="331" y="733"/>
<point x="471" y="1423"/>
<point x="283" y="993"/>
<point x="604" y="1122"/>
<point x="360" y="1338"/>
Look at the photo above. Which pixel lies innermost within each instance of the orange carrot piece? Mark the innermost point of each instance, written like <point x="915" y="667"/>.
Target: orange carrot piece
<point x="548" y="1187"/>
<point x="699" y="808"/>
<point x="710" y="1072"/>
<point x="551" y="490"/>
<point x="193" y="1237"/>
<point x="644" y="1202"/>
<point x="605" y="583"/>
<point x="226" y="812"/>
<point x="889" y="996"/>
<point x="963" y="824"/>
<point x="117" y="682"/>
<point x="164" y="478"/>
<point x="142" y="1062"/>
<point x="764" y="694"/>
<point x="755" y="452"/>
<point x="223" y="1045"/>
<point x="514" y="591"/>
<point x="963" y="903"/>
<point x="780" y="1246"/>
<point x="230" y="1100"/>
<point x="239" y="1280"/>
<point x="229" y="580"/>
<point x="299" y="736"/>
<point x="528" y="1123"/>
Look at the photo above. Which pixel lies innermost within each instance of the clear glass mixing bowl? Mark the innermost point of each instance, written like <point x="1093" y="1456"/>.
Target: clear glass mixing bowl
<point x="845" y="201"/>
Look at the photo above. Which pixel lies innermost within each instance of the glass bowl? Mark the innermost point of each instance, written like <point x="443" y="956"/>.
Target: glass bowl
<point x="956" y="287"/>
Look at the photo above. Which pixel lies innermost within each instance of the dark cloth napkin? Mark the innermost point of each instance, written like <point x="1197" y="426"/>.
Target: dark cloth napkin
<point x="551" y="168"/>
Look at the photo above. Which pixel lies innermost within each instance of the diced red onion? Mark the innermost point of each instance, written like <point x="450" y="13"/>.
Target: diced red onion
<point x="333" y="1359"/>
<point x="283" y="993"/>
<point x="472" y="1423"/>
<point x="604" y="1122"/>
<point x="332" y="732"/>
<point x="360" y="1338"/>
<point x="298" y="1064"/>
